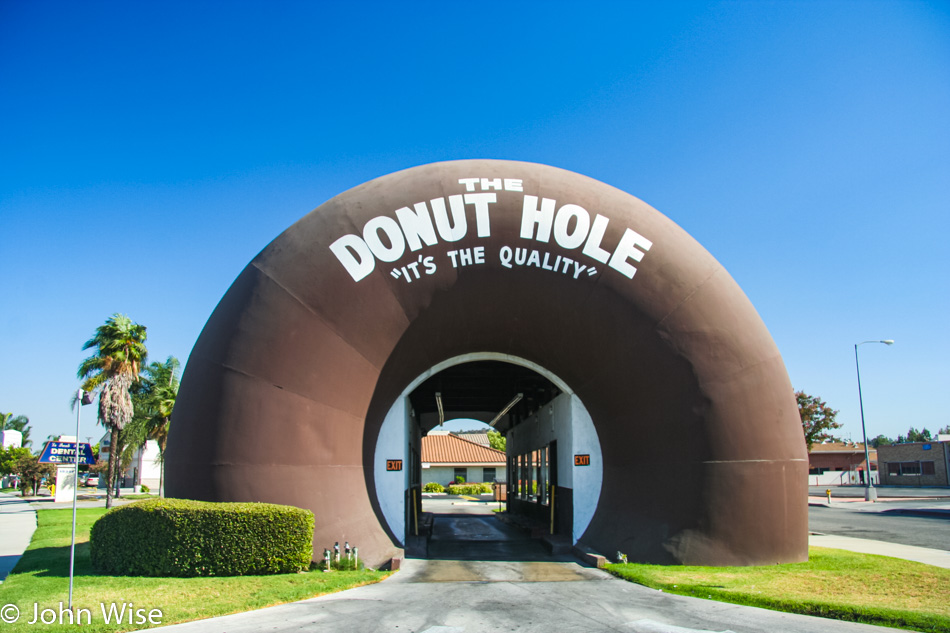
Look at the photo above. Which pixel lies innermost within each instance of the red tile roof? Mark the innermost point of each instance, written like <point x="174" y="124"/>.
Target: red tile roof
<point x="451" y="449"/>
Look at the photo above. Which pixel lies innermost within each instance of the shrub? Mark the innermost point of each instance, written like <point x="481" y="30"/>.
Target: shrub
<point x="143" y="488"/>
<point x="433" y="487"/>
<point x="469" y="489"/>
<point x="178" y="537"/>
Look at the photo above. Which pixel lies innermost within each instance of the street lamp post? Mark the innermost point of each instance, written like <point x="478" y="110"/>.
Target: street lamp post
<point x="870" y="494"/>
<point x="82" y="398"/>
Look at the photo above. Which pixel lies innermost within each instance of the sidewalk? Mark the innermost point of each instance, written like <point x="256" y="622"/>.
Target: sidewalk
<point x="926" y="555"/>
<point x="17" y="524"/>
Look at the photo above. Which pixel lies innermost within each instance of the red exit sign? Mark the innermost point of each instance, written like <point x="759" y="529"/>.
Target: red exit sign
<point x="393" y="464"/>
<point x="582" y="460"/>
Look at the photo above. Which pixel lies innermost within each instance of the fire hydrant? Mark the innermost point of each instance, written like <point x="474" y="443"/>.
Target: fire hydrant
<point x="828" y="494"/>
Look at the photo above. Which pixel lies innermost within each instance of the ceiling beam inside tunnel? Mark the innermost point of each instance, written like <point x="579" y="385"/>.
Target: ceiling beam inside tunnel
<point x="483" y="386"/>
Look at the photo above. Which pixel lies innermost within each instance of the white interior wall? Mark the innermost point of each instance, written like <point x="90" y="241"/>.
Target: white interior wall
<point x="566" y="420"/>
<point x="552" y="422"/>
<point x="587" y="480"/>
<point x="391" y="486"/>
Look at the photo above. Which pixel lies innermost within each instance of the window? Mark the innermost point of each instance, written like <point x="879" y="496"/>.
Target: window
<point x="525" y="467"/>
<point x="531" y="475"/>
<point x="544" y="475"/>
<point x="541" y="475"/>
<point x="488" y="475"/>
<point x="913" y="469"/>
<point x="460" y="472"/>
<point x="527" y="482"/>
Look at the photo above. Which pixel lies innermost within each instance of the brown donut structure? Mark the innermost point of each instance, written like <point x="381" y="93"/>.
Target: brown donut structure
<point x="286" y="389"/>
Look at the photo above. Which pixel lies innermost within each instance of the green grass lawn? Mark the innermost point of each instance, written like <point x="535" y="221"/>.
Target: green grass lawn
<point x="42" y="577"/>
<point x="833" y="583"/>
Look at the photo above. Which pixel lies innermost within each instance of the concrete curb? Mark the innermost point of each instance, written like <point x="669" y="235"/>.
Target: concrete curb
<point x="589" y="556"/>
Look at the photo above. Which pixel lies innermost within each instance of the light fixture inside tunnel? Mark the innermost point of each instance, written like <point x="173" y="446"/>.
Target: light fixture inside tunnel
<point x="438" y="404"/>
<point x="507" y="408"/>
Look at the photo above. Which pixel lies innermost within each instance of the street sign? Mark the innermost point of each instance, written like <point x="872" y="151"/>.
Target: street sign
<point x="65" y="453"/>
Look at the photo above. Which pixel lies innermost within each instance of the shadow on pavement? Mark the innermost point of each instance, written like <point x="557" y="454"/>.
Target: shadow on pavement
<point x="474" y="537"/>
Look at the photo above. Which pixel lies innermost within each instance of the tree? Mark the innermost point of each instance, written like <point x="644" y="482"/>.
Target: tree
<point x="818" y="419"/>
<point x="120" y="351"/>
<point x="944" y="431"/>
<point x="19" y="423"/>
<point x="162" y="381"/>
<point x="9" y="457"/>
<point x="16" y="461"/>
<point x="31" y="472"/>
<point x="100" y="469"/>
<point x="880" y="440"/>
<point x="153" y="397"/>
<point x="913" y="435"/>
<point x="497" y="441"/>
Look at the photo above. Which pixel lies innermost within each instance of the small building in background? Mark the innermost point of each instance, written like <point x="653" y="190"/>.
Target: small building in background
<point x="446" y="456"/>
<point x="144" y="469"/>
<point x="11" y="438"/>
<point x="916" y="463"/>
<point x="840" y="464"/>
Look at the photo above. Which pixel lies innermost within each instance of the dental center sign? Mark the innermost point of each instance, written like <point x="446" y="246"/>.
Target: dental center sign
<point x="386" y="238"/>
<point x="65" y="453"/>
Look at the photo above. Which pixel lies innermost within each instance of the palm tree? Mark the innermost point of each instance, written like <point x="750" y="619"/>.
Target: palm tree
<point x="119" y="346"/>
<point x="161" y="390"/>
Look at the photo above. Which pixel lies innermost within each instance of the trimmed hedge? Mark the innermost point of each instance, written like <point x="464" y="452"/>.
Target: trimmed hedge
<point x="469" y="489"/>
<point x="433" y="487"/>
<point x="182" y="538"/>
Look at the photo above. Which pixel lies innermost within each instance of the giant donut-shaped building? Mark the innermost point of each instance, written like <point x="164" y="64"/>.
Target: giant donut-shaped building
<point x="644" y="372"/>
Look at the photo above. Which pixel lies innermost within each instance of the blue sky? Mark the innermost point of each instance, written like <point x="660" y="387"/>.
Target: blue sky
<point x="149" y="150"/>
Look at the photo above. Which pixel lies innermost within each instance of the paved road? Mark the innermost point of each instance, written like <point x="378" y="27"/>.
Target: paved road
<point x="415" y="600"/>
<point x="531" y="593"/>
<point x="446" y="504"/>
<point x="882" y="524"/>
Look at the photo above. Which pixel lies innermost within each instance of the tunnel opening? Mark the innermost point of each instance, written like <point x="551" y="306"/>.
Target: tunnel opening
<point x="464" y="499"/>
